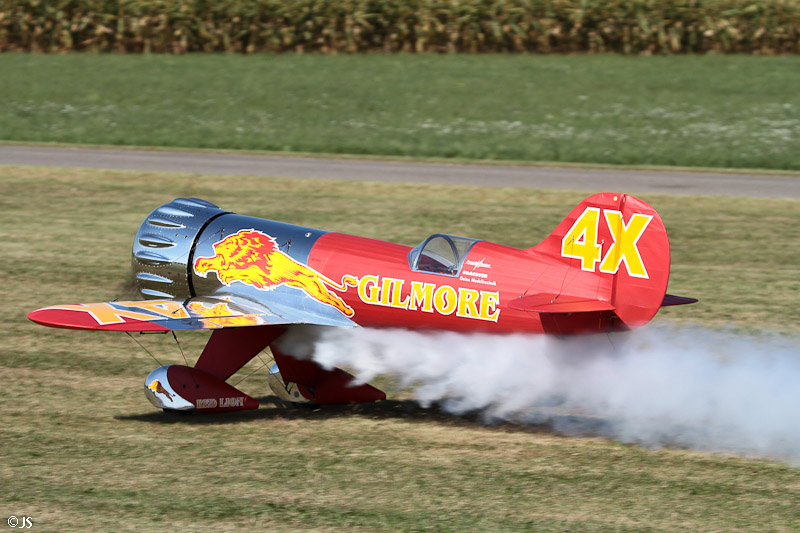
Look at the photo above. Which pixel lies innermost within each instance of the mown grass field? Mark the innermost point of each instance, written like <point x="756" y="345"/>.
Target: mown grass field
<point x="83" y="450"/>
<point x="707" y="111"/>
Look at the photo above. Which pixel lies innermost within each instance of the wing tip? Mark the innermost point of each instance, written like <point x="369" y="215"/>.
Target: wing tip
<point x="59" y="317"/>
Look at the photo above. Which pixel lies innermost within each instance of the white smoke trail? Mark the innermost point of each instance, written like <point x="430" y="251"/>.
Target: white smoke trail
<point x="657" y="386"/>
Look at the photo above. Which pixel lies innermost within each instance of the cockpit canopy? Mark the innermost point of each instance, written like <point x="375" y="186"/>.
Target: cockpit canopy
<point x="440" y="254"/>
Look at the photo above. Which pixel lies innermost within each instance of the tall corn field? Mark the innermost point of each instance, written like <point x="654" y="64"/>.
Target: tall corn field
<point x="432" y="26"/>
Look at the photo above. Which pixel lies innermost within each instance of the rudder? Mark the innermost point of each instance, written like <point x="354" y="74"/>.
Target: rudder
<point x="617" y="251"/>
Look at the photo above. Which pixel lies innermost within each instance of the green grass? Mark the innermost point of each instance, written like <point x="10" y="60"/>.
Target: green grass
<point x="706" y="111"/>
<point x="83" y="450"/>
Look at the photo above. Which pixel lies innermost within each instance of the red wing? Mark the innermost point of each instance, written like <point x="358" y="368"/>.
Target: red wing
<point x="166" y="315"/>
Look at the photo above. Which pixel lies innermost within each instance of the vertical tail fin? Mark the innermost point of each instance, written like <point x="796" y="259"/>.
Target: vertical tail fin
<point x="616" y="249"/>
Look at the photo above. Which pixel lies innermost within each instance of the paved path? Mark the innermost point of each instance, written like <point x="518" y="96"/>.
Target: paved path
<point x="455" y="174"/>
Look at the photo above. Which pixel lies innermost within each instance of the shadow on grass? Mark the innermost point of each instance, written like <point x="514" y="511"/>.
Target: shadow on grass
<point x="273" y="408"/>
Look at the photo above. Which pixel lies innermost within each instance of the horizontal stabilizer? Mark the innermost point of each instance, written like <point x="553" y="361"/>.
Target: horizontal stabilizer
<point x="559" y="303"/>
<point x="670" y="299"/>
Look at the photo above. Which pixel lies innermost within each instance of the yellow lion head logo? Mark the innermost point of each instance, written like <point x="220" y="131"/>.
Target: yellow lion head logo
<point x="253" y="257"/>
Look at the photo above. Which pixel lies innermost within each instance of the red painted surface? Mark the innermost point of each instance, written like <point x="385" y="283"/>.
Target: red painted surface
<point x="324" y="386"/>
<point x="538" y="272"/>
<point x="74" y="319"/>
<point x="229" y="349"/>
<point x="556" y="303"/>
<point x="207" y="392"/>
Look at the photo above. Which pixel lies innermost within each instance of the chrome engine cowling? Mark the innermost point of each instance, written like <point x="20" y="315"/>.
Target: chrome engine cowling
<point x="173" y="236"/>
<point x="164" y="246"/>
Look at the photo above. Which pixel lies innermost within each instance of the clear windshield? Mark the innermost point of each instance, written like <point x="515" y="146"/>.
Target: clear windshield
<point x="440" y="254"/>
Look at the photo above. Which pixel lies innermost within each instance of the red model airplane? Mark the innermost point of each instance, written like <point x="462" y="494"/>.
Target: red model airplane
<point x="604" y="268"/>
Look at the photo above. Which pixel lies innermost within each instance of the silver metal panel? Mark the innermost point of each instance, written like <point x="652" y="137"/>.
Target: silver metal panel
<point x="295" y="241"/>
<point x="161" y="394"/>
<point x="163" y="245"/>
<point x="285" y="301"/>
<point x="176" y="234"/>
